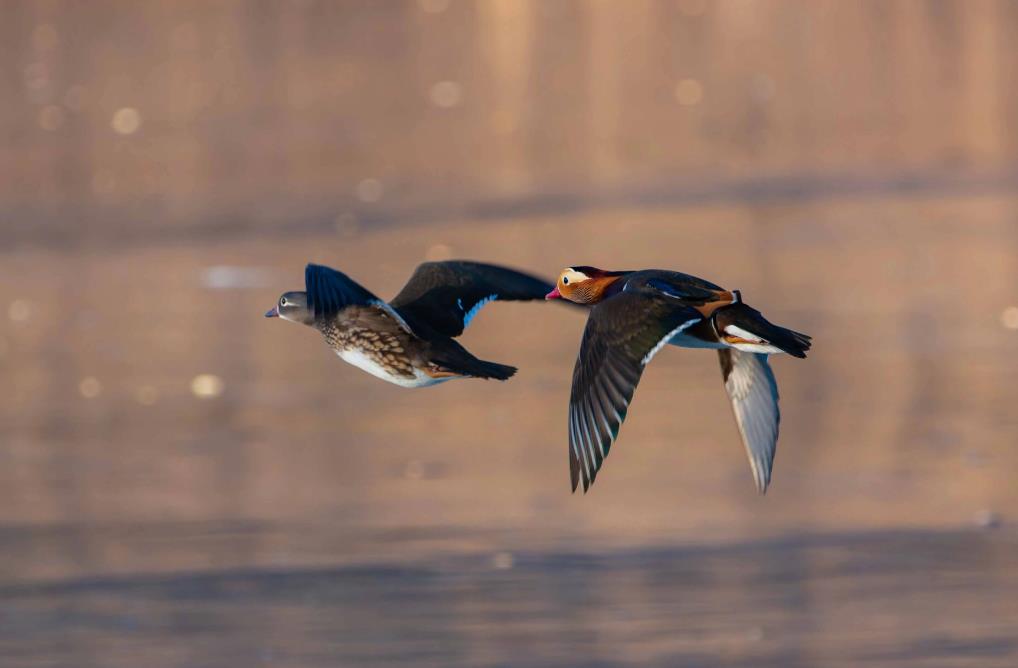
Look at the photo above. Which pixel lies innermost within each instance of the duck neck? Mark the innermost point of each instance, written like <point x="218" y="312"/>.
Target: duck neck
<point x="600" y="288"/>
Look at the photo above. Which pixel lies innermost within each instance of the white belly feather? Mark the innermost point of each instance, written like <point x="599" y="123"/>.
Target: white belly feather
<point x="683" y="340"/>
<point x="365" y="363"/>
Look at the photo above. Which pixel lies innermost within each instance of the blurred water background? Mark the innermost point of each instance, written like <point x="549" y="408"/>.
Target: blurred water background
<point x="183" y="483"/>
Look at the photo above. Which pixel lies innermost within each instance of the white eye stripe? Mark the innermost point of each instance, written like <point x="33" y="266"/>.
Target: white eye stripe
<point x="571" y="277"/>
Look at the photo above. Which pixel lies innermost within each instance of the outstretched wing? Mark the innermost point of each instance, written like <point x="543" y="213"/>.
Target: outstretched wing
<point x="447" y="295"/>
<point x="623" y="334"/>
<point x="330" y="291"/>
<point x="754" y="393"/>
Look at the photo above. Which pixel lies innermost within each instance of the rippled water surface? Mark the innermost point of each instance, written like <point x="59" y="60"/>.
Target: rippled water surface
<point x="190" y="484"/>
<point x="185" y="483"/>
<point x="863" y="599"/>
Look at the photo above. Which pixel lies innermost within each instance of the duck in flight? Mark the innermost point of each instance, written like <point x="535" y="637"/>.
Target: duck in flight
<point x="633" y="315"/>
<point x="408" y="341"/>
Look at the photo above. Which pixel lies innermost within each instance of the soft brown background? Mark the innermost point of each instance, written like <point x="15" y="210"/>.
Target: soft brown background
<point x="166" y="169"/>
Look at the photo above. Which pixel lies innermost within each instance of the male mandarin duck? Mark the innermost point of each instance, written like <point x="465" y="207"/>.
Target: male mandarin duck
<point x="633" y="315"/>
<point x="408" y="341"/>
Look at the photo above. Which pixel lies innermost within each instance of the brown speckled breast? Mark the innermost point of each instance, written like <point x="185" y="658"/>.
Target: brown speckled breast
<point x="375" y="334"/>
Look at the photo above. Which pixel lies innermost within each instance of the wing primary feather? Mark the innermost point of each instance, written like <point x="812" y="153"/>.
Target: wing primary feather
<point x="580" y="447"/>
<point x="614" y="385"/>
<point x="584" y="418"/>
<point x="613" y="394"/>
<point x="588" y="469"/>
<point x="574" y="454"/>
<point x="595" y="419"/>
<point x="609" y="430"/>
<point x="574" y="470"/>
<point x="754" y="396"/>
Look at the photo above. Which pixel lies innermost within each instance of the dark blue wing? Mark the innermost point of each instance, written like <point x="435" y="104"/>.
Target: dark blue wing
<point x="447" y="295"/>
<point x="330" y="291"/>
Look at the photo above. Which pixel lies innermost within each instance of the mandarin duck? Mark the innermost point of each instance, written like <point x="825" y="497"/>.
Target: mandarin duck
<point x="408" y="341"/>
<point x="633" y="315"/>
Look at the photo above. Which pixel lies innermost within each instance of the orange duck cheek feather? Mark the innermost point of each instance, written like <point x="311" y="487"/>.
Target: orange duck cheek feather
<point x="590" y="291"/>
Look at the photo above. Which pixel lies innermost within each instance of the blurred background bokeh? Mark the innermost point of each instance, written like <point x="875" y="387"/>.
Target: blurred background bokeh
<point x="184" y="483"/>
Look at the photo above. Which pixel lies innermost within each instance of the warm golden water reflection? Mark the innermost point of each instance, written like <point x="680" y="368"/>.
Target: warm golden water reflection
<point x="124" y="470"/>
<point x="124" y="120"/>
<point x="185" y="483"/>
<point x="911" y="599"/>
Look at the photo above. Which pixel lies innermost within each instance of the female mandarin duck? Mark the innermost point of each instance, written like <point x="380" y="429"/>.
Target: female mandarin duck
<point x="408" y="341"/>
<point x="634" y="314"/>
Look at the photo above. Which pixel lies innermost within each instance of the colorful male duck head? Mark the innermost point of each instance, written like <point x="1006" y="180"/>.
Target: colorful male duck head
<point x="583" y="284"/>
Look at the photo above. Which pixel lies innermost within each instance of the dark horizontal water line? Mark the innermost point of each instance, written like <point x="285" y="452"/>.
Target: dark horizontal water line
<point x="26" y="227"/>
<point x="870" y="545"/>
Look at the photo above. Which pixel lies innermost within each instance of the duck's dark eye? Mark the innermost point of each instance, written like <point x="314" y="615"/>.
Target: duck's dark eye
<point x="565" y="280"/>
<point x="283" y="302"/>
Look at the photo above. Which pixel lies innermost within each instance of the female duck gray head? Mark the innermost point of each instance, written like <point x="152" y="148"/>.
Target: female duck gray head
<point x="292" y="306"/>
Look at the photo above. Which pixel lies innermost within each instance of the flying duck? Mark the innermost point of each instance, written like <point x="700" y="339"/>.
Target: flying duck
<point x="633" y="315"/>
<point x="408" y="341"/>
